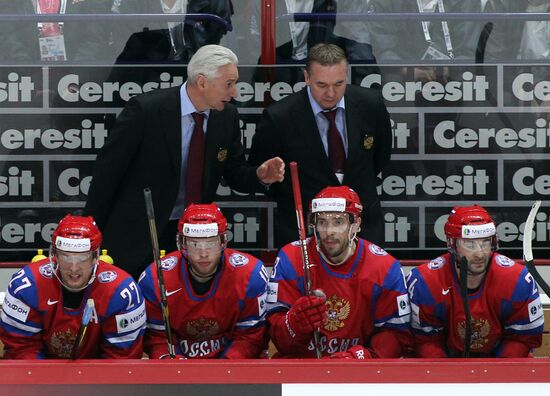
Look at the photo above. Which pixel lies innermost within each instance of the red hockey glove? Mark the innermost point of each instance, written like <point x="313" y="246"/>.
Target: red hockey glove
<point x="355" y="352"/>
<point x="306" y="314"/>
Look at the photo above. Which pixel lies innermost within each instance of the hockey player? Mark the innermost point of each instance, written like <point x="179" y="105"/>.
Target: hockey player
<point x="360" y="308"/>
<point x="506" y="317"/>
<point x="216" y="295"/>
<point x="42" y="311"/>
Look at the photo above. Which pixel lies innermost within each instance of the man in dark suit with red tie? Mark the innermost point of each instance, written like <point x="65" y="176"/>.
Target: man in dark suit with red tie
<point x="179" y="142"/>
<point x="337" y="133"/>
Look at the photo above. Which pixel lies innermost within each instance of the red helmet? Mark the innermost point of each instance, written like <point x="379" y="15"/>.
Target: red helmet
<point x="202" y="220"/>
<point x="77" y="234"/>
<point x="337" y="199"/>
<point x="469" y="222"/>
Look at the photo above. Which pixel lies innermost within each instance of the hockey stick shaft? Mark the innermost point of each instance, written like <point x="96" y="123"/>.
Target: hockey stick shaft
<point x="86" y="316"/>
<point x="303" y="243"/>
<point x="156" y="256"/>
<point x="528" y="248"/>
<point x="463" y="265"/>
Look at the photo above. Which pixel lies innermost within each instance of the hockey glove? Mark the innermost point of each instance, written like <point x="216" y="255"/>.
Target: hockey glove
<point x="306" y="314"/>
<point x="355" y="352"/>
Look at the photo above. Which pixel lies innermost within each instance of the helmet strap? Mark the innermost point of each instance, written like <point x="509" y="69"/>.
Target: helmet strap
<point x="77" y="289"/>
<point x="55" y="265"/>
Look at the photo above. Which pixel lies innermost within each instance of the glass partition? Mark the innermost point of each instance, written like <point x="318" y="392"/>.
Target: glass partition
<point x="467" y="85"/>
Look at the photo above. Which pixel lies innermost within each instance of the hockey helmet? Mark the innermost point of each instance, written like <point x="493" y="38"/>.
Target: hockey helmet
<point x="202" y="221"/>
<point x="470" y="222"/>
<point x="77" y="234"/>
<point x="337" y="199"/>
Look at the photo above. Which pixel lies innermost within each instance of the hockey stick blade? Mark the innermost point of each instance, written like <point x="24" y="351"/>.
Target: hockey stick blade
<point x="528" y="232"/>
<point x="528" y="248"/>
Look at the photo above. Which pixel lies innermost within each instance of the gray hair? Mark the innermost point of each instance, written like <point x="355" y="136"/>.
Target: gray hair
<point x="207" y="60"/>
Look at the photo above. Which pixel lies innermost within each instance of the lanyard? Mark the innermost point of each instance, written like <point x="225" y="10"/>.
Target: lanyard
<point x="176" y="34"/>
<point x="444" y="26"/>
<point x="51" y="6"/>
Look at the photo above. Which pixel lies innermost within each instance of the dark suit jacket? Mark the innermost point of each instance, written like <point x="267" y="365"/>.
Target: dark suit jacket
<point x="197" y="32"/>
<point x="288" y="129"/>
<point x="85" y="41"/>
<point x="144" y="150"/>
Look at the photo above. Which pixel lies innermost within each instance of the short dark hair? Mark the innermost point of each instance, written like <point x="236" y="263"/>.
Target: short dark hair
<point x="325" y="54"/>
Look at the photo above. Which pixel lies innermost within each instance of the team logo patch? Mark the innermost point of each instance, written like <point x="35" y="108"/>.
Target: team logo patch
<point x="338" y="310"/>
<point x="168" y="263"/>
<point x="46" y="270"/>
<point x="436" y="263"/>
<point x="238" y="260"/>
<point x="368" y="142"/>
<point x="202" y="329"/>
<point x="504" y="261"/>
<point x="375" y="249"/>
<point x="62" y="343"/>
<point x="222" y="154"/>
<point x="480" y="330"/>
<point x="107" y="276"/>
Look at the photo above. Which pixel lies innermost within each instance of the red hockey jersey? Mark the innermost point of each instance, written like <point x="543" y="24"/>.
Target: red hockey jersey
<point x="367" y="301"/>
<point x="34" y="324"/>
<point x="506" y="311"/>
<point x="228" y="321"/>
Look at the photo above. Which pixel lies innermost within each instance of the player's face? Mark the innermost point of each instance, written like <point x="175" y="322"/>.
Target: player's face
<point x="327" y="83"/>
<point x="203" y="254"/>
<point x="333" y="230"/>
<point x="219" y="90"/>
<point x="477" y="251"/>
<point x="75" y="269"/>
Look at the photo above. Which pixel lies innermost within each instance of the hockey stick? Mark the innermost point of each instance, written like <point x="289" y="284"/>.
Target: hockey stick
<point x="303" y="243"/>
<point x="156" y="256"/>
<point x="86" y="316"/>
<point x="528" y="250"/>
<point x="464" y="297"/>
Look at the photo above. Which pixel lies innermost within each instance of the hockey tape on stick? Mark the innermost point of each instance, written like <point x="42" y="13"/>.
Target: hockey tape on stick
<point x="86" y="316"/>
<point x="528" y="248"/>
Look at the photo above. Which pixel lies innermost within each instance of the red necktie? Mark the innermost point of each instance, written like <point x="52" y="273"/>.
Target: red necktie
<point x="49" y="7"/>
<point x="336" y="152"/>
<point x="195" y="162"/>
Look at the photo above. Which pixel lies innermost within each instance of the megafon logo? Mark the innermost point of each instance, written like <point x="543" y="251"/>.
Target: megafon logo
<point x="73" y="245"/>
<point x="328" y="205"/>
<point x="478" y="231"/>
<point x="200" y="230"/>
